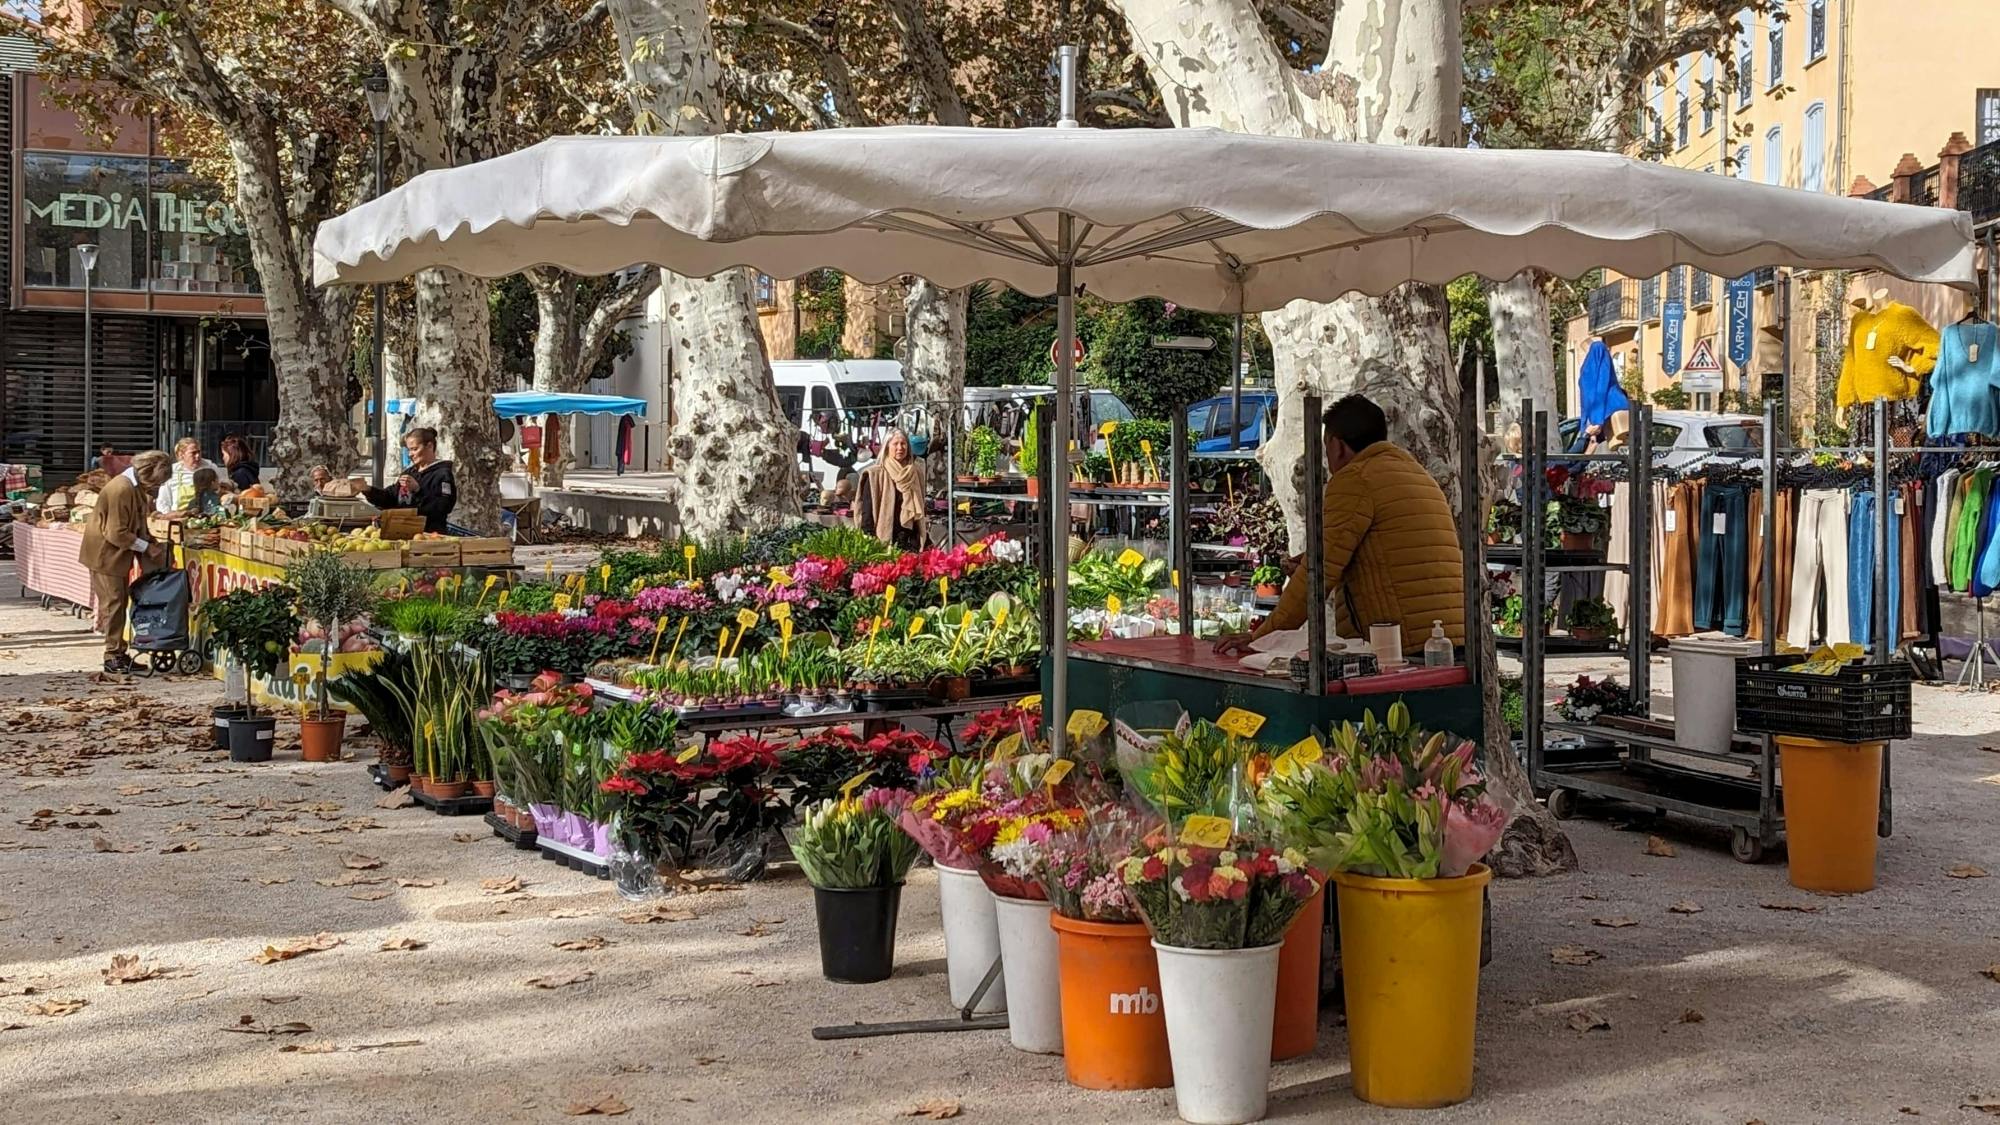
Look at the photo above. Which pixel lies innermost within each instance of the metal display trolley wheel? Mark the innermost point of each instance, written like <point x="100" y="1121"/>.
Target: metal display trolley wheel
<point x="1562" y="803"/>
<point x="1745" y="847"/>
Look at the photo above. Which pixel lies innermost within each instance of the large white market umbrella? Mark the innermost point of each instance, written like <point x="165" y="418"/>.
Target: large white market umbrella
<point x="1205" y="218"/>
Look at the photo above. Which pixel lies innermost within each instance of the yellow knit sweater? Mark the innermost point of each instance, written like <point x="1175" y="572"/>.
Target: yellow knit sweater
<point x="1895" y="331"/>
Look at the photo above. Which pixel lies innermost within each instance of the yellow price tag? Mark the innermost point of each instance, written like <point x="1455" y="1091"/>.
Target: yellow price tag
<point x="604" y="575"/>
<point x="548" y="572"/>
<point x="1000" y="616"/>
<point x="430" y="730"/>
<point x="301" y="677"/>
<point x="778" y="576"/>
<point x="1030" y="702"/>
<point x="1112" y="604"/>
<point x="785" y="627"/>
<point x="780" y="611"/>
<point x="848" y="787"/>
<point x="501" y="601"/>
<point x="1306" y="751"/>
<point x="975" y="548"/>
<point x="1207" y="831"/>
<point x="490" y="580"/>
<point x="1175" y="574"/>
<point x="1130" y="557"/>
<point x="1007" y="747"/>
<point x="917" y="626"/>
<point x="1243" y="724"/>
<point x="888" y="596"/>
<point x="1108" y="428"/>
<point x="688" y="552"/>
<point x="1057" y="770"/>
<point x="944" y="587"/>
<point x="1146" y="446"/>
<point x="1085" y="724"/>
<point x="688" y="755"/>
<point x="403" y="586"/>
<point x="560" y="601"/>
<point x="747" y="618"/>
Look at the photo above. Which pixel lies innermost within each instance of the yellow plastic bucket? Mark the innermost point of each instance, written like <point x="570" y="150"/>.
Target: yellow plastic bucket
<point x="1833" y="793"/>
<point x="1409" y="965"/>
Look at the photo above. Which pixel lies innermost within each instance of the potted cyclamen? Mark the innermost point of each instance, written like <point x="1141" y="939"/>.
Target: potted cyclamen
<point x="332" y="594"/>
<point x="1409" y="889"/>
<point x="855" y="858"/>
<point x="253" y="627"/>
<point x="1592" y="619"/>
<point x="1218" y="906"/>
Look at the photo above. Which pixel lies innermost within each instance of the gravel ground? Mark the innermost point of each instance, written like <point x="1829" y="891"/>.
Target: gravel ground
<point x="1848" y="1013"/>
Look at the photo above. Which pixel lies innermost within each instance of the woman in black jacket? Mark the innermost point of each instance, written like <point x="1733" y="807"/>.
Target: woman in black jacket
<point x="242" y="468"/>
<point x="427" y="485"/>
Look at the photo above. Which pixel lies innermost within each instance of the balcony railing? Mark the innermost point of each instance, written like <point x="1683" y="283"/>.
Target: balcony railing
<point x="1979" y="182"/>
<point x="1613" y="306"/>
<point x="1649" y="299"/>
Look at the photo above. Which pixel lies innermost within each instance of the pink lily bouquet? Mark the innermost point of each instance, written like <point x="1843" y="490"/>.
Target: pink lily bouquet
<point x="1419" y="808"/>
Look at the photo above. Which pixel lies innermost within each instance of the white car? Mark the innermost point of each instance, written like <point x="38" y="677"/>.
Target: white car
<point x="1684" y="437"/>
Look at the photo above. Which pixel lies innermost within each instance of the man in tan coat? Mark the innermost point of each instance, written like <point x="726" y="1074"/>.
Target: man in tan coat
<point x="1391" y="546"/>
<point x="114" y="538"/>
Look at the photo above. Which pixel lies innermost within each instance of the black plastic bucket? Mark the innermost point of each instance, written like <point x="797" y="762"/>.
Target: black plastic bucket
<point x="220" y="715"/>
<point x="857" y="932"/>
<point x="250" y="738"/>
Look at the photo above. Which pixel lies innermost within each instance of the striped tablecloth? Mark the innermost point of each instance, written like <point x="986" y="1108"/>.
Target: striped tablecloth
<point x="45" y="558"/>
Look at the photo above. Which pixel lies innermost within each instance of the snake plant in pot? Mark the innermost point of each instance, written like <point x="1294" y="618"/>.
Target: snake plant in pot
<point x="334" y="595"/>
<point x="253" y="627"/>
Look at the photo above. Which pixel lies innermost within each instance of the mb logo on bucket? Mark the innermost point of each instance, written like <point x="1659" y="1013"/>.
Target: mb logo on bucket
<point x="1141" y="1003"/>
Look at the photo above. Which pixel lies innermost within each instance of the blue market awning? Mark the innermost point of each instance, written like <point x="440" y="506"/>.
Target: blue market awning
<point x="528" y="404"/>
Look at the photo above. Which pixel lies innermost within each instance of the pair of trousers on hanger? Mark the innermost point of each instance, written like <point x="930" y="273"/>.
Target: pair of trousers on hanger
<point x="1722" y="564"/>
<point x="1675" y="508"/>
<point x="1861" y="565"/>
<point x="1819" y="562"/>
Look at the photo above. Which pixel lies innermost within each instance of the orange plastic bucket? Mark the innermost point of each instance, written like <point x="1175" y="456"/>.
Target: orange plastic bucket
<point x="1832" y="793"/>
<point x="1295" y="1024"/>
<point x="1114" y="1029"/>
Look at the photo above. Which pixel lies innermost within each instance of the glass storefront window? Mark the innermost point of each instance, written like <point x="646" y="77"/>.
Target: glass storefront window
<point x="156" y="225"/>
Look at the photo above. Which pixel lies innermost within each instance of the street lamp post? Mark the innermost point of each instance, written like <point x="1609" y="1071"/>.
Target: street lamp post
<point x="87" y="255"/>
<point x="376" y="86"/>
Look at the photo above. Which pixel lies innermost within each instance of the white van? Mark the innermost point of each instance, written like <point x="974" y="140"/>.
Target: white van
<point x="842" y="407"/>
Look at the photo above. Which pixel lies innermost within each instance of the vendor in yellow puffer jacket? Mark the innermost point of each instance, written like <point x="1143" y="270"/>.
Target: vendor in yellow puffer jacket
<point x="1391" y="546"/>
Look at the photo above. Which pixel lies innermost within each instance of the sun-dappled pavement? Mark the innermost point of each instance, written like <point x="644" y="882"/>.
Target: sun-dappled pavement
<point x="183" y="938"/>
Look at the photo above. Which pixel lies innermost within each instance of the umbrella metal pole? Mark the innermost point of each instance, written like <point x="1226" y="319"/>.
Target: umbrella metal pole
<point x="1181" y="547"/>
<point x="1236" y="377"/>
<point x="1056" y="714"/>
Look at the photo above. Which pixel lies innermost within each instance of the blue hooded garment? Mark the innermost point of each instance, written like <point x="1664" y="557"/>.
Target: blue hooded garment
<point x="1597" y="387"/>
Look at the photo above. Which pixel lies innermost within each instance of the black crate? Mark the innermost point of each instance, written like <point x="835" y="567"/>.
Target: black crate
<point x="1861" y="703"/>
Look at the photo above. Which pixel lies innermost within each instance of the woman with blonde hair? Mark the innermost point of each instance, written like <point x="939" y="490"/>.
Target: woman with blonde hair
<point x="178" y="491"/>
<point x="889" y="502"/>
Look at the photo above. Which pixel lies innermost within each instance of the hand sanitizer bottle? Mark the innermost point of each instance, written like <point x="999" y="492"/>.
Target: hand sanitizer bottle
<point x="1437" y="650"/>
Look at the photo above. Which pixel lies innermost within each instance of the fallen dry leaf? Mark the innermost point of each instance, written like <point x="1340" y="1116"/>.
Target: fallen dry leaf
<point x="1991" y="972"/>
<point x="1573" y="955"/>
<point x="248" y="1025"/>
<point x="607" y="1105"/>
<point x="352" y="879"/>
<point x="1691" y="1016"/>
<point x="13" y="1027"/>
<point x="393" y="1043"/>
<point x="126" y="968"/>
<point x="1792" y="907"/>
<point x="401" y="944"/>
<point x="1685" y="906"/>
<point x="183" y="846"/>
<point x="1587" y="1020"/>
<point x="308" y="1048"/>
<point x="56" y="1007"/>
<point x="1659" y="847"/>
<point x="103" y="845"/>
<point x="658" y="912"/>
<point x="571" y="912"/>
<point x="370" y="896"/>
<point x="420" y="882"/>
<point x="298" y="947"/>
<point x="1988" y="1104"/>
<point x="400" y="799"/>
<point x="1616" y="922"/>
<point x="273" y="880"/>
<point x="757" y="929"/>
<point x="463" y="838"/>
<point x="1967" y="871"/>
<point x="559" y="982"/>
<point x="936" y="1109"/>
<point x="1911" y="1110"/>
<point x="582" y="945"/>
<point x="278" y="999"/>
<point x="355" y="861"/>
<point x="501" y="886"/>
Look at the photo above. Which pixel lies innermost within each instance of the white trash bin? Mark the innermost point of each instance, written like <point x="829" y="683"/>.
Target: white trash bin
<point x="1704" y="670"/>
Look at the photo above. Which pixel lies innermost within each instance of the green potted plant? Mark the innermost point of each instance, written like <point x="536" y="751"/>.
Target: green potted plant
<point x="1592" y="619"/>
<point x="985" y="447"/>
<point x="254" y="627"/>
<point x="1577" y="523"/>
<point x="336" y="596"/>
<point x="1503" y="523"/>
<point x="1029" y="459"/>
<point x="1268" y="580"/>
<point x="855" y="857"/>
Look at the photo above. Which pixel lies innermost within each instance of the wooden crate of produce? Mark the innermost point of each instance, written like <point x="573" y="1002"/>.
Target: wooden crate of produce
<point x="485" y="552"/>
<point x="388" y="559"/>
<point x="401" y="523"/>
<point x="431" y="553"/>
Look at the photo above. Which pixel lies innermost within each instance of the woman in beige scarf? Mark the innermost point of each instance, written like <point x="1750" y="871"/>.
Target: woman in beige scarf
<point x="889" y="503"/>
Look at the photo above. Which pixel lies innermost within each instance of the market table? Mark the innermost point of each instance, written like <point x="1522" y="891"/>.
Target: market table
<point x="45" y="559"/>
<point x="709" y="726"/>
<point x="1108" y="674"/>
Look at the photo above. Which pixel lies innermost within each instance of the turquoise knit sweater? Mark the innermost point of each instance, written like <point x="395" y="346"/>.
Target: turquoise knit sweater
<point x="1965" y="391"/>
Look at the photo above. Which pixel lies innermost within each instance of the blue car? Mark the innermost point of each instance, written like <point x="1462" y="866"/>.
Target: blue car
<point x="1208" y="422"/>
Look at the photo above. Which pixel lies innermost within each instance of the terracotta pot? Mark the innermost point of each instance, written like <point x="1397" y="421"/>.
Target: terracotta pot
<point x="419" y="783"/>
<point x="398" y="775"/>
<point x="1034" y="488"/>
<point x="1267" y="590"/>
<point x="483" y="788"/>
<point x="319" y="739"/>
<point x="1588" y="632"/>
<point x="951" y="689"/>
<point x="1578" y="541"/>
<point x="448" y="790"/>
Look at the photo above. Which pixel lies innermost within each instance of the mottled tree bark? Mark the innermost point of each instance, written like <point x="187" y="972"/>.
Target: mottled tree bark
<point x="731" y="444"/>
<point x="934" y="370"/>
<point x="1524" y="344"/>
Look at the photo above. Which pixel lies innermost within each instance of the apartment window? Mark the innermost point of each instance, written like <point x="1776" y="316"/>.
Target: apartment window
<point x="1987" y="115"/>
<point x="1707" y="93"/>
<point x="767" y="295"/>
<point x="1681" y="133"/>
<point x="1649" y="299"/>
<point x="1815" y="30"/>
<point x="1677" y="284"/>
<point x="1774" y="154"/>
<point x="1777" y="52"/>
<point x="1812" y="151"/>
<point x="1657" y="111"/>
<point x="1704" y="290"/>
<point x="1742" y="162"/>
<point x="1746" y="61"/>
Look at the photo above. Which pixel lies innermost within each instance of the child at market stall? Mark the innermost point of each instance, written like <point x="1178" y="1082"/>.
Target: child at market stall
<point x="207" y="498"/>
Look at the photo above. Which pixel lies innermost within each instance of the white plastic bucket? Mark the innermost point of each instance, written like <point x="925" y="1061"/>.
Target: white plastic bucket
<point x="971" y="938"/>
<point x="1704" y="672"/>
<point x="1219" y="1005"/>
<point x="1034" y="981"/>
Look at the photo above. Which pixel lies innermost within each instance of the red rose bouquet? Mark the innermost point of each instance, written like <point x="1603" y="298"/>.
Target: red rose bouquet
<point x="1238" y="896"/>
